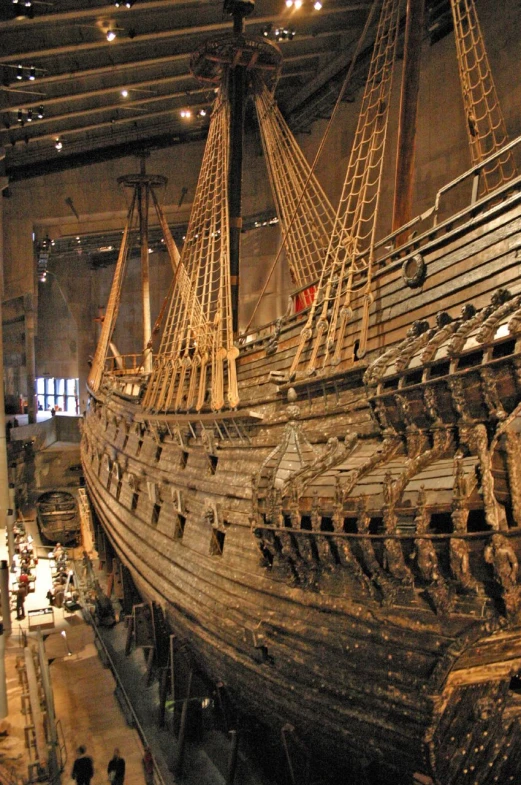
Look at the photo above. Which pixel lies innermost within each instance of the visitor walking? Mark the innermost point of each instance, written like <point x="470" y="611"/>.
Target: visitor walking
<point x="83" y="768"/>
<point x="116" y="768"/>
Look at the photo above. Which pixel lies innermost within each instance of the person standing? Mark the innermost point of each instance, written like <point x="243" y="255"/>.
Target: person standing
<point x="83" y="768"/>
<point x="21" y="594"/>
<point x="116" y="768"/>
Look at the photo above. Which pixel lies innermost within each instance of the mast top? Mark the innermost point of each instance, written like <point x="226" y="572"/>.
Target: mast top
<point x="240" y="8"/>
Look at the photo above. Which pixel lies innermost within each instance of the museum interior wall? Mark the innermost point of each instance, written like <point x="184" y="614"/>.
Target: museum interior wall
<point x="59" y="319"/>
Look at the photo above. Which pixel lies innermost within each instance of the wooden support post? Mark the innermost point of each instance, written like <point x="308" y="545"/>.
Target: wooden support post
<point x="130" y="633"/>
<point x="163" y="693"/>
<point x="219" y="689"/>
<point x="232" y="760"/>
<point x="178" y="767"/>
<point x="288" y="729"/>
<point x="150" y="664"/>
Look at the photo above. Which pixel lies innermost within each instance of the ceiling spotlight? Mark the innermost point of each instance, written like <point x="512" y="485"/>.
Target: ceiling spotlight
<point x="202" y="112"/>
<point x="289" y="3"/>
<point x="186" y="113"/>
<point x="20" y="72"/>
<point x="32" y="73"/>
<point x="58" y="145"/>
<point x="40" y="112"/>
<point x="317" y="5"/>
<point x="29" y="115"/>
<point x="266" y="30"/>
<point x="298" y="4"/>
<point x="20" y="116"/>
<point x="111" y="35"/>
<point x="124" y="93"/>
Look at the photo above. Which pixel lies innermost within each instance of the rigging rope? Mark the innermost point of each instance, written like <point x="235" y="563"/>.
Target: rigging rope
<point x="310" y="170"/>
<point x="486" y="128"/>
<point x="196" y="353"/>
<point x="109" y="320"/>
<point x="348" y="268"/>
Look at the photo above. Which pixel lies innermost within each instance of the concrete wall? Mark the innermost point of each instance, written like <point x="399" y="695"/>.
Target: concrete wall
<point x="69" y="302"/>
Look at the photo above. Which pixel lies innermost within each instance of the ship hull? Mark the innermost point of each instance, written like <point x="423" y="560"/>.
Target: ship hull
<point x="372" y="659"/>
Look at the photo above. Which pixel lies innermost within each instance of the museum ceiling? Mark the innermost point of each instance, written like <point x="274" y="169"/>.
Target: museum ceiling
<point x="70" y="96"/>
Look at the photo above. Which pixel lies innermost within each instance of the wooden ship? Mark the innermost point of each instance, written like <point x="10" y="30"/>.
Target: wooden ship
<point x="328" y="509"/>
<point x="58" y="517"/>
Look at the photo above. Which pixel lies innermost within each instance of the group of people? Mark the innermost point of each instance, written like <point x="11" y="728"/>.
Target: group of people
<point x="83" y="768"/>
<point x="23" y="565"/>
<point x="62" y="578"/>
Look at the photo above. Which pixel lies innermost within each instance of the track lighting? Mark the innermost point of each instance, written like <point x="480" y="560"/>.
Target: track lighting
<point x="29" y="115"/>
<point x="297" y="4"/>
<point x="58" y="145"/>
<point x="124" y="93"/>
<point x="40" y="112"/>
<point x="20" y="116"/>
<point x="111" y="35"/>
<point x="20" y="72"/>
<point x="32" y="73"/>
<point x="186" y="113"/>
<point x="201" y="113"/>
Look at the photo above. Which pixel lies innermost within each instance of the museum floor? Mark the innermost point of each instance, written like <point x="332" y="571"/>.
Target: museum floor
<point x="86" y="702"/>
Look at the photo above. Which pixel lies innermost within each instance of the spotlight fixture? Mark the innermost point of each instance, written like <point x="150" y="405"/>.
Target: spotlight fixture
<point x="317" y="5"/>
<point x="20" y="72"/>
<point x="297" y="4"/>
<point x="29" y="115"/>
<point x="266" y="30"/>
<point x="40" y="112"/>
<point x="124" y="93"/>
<point x="111" y="35"/>
<point x="20" y="116"/>
<point x="201" y="113"/>
<point x="186" y="113"/>
<point x="32" y="73"/>
<point x="58" y="145"/>
<point x="126" y="3"/>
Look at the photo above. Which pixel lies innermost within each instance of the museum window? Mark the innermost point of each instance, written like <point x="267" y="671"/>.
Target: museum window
<point x="58" y="394"/>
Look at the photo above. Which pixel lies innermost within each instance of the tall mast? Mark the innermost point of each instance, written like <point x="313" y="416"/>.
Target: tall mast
<point x="402" y="211"/>
<point x="143" y="200"/>
<point x="237" y="88"/>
